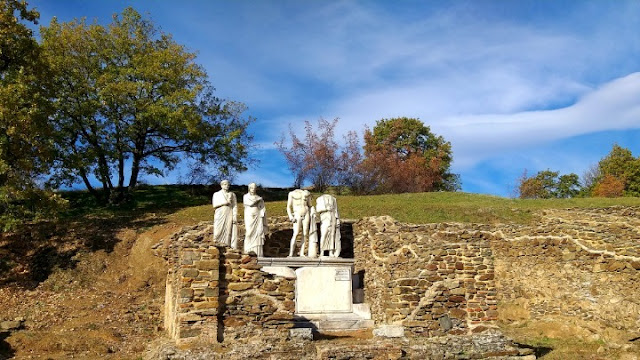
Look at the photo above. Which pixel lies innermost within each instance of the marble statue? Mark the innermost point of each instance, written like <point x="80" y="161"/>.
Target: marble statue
<point x="225" y="227"/>
<point x="313" y="233"/>
<point x="255" y="221"/>
<point x="327" y="208"/>
<point x="298" y="209"/>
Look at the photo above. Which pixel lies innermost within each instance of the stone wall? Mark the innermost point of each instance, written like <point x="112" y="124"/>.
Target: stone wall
<point x="254" y="303"/>
<point x="446" y="284"/>
<point x="214" y="293"/>
<point x="432" y="279"/>
<point x="579" y="268"/>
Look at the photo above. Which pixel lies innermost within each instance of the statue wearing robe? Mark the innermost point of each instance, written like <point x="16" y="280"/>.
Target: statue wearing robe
<point x="255" y="221"/>
<point x="225" y="229"/>
<point x="327" y="208"/>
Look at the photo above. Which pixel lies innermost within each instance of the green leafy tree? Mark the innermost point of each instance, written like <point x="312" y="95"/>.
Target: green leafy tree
<point x="619" y="164"/>
<point x="132" y="101"/>
<point x="403" y="155"/>
<point x="568" y="186"/>
<point x="25" y="146"/>
<point x="548" y="184"/>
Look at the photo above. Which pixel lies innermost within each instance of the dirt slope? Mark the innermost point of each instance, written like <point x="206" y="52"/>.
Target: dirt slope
<point x="106" y="305"/>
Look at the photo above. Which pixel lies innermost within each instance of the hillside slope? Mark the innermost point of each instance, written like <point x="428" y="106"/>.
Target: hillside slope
<point x="88" y="285"/>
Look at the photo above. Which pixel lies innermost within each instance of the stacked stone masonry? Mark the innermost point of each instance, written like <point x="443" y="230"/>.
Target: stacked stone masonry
<point x="583" y="264"/>
<point x="432" y="279"/>
<point x="449" y="278"/>
<point x="441" y="282"/>
<point x="214" y="293"/>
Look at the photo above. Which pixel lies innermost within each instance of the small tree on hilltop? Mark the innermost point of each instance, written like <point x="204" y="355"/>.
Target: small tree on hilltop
<point x="609" y="186"/>
<point x="619" y="164"/>
<point x="548" y="184"/>
<point x="403" y="155"/>
<point x="350" y="172"/>
<point x="313" y="158"/>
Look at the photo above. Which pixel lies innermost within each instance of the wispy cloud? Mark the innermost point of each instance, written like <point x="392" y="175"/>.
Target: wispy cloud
<point x="614" y="106"/>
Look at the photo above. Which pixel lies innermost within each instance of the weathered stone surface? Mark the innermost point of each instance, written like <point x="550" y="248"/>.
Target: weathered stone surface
<point x="207" y="264"/>
<point x="206" y="305"/>
<point x="239" y="286"/>
<point x="389" y="331"/>
<point x="302" y="334"/>
<point x="10" y="325"/>
<point x="190" y="273"/>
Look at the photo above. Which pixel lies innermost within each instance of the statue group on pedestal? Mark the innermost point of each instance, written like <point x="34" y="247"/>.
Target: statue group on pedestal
<point x="300" y="210"/>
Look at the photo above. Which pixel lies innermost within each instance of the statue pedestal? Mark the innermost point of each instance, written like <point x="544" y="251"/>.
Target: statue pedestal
<point x="324" y="291"/>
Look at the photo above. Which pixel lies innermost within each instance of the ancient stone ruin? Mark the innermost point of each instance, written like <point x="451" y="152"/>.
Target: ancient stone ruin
<point x="405" y="291"/>
<point x="418" y="291"/>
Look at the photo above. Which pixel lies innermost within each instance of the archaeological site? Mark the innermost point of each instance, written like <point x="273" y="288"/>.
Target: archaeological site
<point x="403" y="291"/>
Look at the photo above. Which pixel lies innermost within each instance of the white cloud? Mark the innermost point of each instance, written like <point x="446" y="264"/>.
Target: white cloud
<point x="614" y="106"/>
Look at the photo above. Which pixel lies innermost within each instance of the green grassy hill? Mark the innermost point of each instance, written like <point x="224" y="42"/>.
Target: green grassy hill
<point x="186" y="204"/>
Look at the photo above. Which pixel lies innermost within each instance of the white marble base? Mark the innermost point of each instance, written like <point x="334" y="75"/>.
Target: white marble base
<point x="325" y="289"/>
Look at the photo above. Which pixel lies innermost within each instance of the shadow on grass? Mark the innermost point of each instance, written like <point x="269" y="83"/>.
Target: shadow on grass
<point x="34" y="251"/>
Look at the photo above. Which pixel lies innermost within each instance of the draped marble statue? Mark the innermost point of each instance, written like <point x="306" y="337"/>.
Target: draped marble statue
<point x="298" y="209"/>
<point x="327" y="209"/>
<point x="255" y="221"/>
<point x="313" y="233"/>
<point x="225" y="229"/>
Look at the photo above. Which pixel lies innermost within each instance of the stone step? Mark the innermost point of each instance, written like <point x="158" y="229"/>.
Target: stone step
<point x="335" y="321"/>
<point x="343" y="324"/>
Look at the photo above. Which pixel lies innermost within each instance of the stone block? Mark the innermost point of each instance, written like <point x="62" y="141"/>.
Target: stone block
<point x="190" y="273"/>
<point x="323" y="289"/>
<point x="205" y="305"/>
<point x="269" y="286"/>
<point x="286" y="287"/>
<point x="211" y="292"/>
<point x="389" y="331"/>
<point x="207" y="264"/>
<point x="186" y="333"/>
<point x="240" y="286"/>
<point x="486" y="277"/>
<point x="408" y="282"/>
<point x="304" y="334"/>
<point x="186" y="293"/>
<point x="458" y="313"/>
<point x="199" y="284"/>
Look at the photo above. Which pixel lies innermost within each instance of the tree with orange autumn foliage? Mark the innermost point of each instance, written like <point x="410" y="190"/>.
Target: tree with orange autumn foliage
<point x="403" y="155"/>
<point x="609" y="186"/>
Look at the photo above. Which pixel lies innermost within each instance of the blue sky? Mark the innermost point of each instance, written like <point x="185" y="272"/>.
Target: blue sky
<point x="513" y="85"/>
